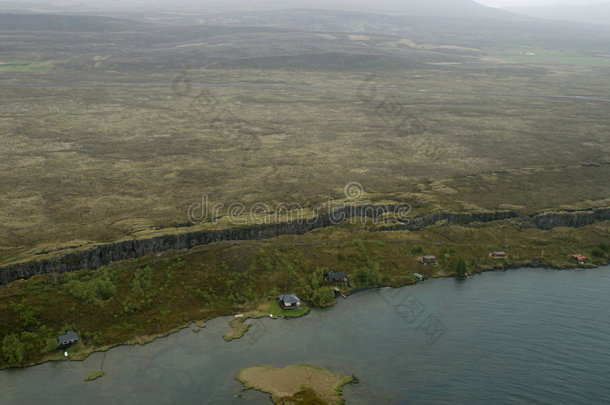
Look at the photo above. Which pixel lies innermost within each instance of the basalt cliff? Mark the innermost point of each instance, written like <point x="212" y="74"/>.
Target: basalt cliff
<point x="103" y="254"/>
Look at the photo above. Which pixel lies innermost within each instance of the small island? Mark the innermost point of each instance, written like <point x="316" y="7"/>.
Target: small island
<point x="95" y="376"/>
<point x="296" y="384"/>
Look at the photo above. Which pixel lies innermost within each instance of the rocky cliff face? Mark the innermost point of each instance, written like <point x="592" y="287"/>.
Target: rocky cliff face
<point x="571" y="219"/>
<point x="105" y="254"/>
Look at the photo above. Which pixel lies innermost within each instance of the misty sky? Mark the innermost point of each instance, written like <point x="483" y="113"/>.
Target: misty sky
<point x="519" y="3"/>
<point x="492" y="3"/>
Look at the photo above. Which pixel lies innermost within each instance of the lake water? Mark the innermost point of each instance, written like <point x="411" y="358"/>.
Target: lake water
<point x="530" y="336"/>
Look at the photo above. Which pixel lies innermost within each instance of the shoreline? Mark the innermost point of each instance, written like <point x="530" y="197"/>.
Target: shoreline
<point x="143" y="340"/>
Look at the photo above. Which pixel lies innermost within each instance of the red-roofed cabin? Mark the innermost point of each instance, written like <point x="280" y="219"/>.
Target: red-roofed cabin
<point x="498" y="255"/>
<point x="580" y="258"/>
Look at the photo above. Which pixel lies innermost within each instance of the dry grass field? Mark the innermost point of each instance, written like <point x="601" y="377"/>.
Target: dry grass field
<point x="95" y="160"/>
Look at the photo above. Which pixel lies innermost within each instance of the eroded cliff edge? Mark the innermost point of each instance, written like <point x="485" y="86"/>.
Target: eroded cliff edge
<point x="101" y="255"/>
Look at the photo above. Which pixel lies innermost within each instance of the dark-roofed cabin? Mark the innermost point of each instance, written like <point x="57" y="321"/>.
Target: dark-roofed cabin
<point x="335" y="277"/>
<point x="67" y="339"/>
<point x="498" y="255"/>
<point x="289" y="301"/>
<point x="429" y="259"/>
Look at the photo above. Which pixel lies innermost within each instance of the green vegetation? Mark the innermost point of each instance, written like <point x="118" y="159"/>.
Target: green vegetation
<point x="308" y="396"/>
<point x="462" y="268"/>
<point x="601" y="251"/>
<point x="25" y="66"/>
<point x="317" y="293"/>
<point x="155" y="295"/>
<point x="368" y="276"/>
<point x="545" y="57"/>
<point x="95" y="376"/>
<point x="416" y="250"/>
<point x="92" y="291"/>
<point x="323" y="297"/>
<point x="13" y="349"/>
<point x="238" y="329"/>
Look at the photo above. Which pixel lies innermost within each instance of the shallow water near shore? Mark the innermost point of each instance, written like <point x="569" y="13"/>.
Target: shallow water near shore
<point x="528" y="336"/>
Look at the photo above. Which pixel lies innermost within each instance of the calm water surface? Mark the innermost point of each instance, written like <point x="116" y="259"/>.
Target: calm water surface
<point x="530" y="336"/>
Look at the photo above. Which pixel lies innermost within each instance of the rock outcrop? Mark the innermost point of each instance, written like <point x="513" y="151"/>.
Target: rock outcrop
<point x="104" y="254"/>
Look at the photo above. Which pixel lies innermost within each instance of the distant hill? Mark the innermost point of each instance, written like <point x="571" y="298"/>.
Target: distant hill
<point x="238" y="31"/>
<point x="186" y="7"/>
<point x="591" y="14"/>
<point x="405" y="6"/>
<point x="67" y="23"/>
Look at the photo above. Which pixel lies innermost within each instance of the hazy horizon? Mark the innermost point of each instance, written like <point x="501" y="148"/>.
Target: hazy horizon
<point x="490" y="3"/>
